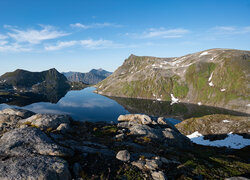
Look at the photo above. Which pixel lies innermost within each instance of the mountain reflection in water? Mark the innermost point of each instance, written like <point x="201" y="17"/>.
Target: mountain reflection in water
<point x="87" y="106"/>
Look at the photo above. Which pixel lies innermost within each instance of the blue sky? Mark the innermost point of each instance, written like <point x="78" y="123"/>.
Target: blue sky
<point x="79" y="35"/>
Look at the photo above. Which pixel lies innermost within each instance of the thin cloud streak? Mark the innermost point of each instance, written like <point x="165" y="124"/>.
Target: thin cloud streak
<point x="87" y="44"/>
<point x="94" y="25"/>
<point x="161" y="33"/>
<point x="230" y="30"/>
<point x="60" y="45"/>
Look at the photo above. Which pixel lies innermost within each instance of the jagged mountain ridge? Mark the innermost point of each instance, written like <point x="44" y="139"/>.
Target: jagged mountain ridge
<point x="92" y="77"/>
<point x="215" y="77"/>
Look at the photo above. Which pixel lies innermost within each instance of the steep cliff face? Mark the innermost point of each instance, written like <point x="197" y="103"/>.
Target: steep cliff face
<point x="215" y="77"/>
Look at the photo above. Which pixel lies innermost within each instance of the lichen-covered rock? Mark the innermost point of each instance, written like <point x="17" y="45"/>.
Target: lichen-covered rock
<point x="34" y="168"/>
<point x="30" y="141"/>
<point x="45" y="121"/>
<point x="123" y="155"/>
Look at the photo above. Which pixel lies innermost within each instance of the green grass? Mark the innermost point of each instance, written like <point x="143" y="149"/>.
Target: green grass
<point x="229" y="75"/>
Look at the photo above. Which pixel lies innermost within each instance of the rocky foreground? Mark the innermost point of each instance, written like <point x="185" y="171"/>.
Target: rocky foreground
<point x="45" y="146"/>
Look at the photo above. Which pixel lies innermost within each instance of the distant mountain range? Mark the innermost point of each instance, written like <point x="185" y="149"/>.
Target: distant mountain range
<point x="215" y="77"/>
<point x="92" y="77"/>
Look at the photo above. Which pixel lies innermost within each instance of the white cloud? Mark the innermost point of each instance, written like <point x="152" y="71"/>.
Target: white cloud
<point x="230" y="30"/>
<point x="87" y="44"/>
<point x="94" y="25"/>
<point x="161" y="33"/>
<point x="3" y="36"/>
<point x="97" y="44"/>
<point x="60" y="45"/>
<point x="34" y="36"/>
<point x="13" y="47"/>
<point x="3" y="42"/>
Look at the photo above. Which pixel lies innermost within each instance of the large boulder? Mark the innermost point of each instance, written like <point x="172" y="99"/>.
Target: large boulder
<point x="17" y="112"/>
<point x="34" y="168"/>
<point x="140" y="118"/>
<point x="30" y="141"/>
<point x="175" y="138"/>
<point x="161" y="131"/>
<point x="45" y="121"/>
<point x="9" y="118"/>
<point x="145" y="130"/>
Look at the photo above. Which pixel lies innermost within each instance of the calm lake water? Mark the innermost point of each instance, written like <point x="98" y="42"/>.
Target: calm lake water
<point x="84" y="105"/>
<point x="80" y="105"/>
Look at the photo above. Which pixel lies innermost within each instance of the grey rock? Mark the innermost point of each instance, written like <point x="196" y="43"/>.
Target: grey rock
<point x="120" y="136"/>
<point x="145" y="130"/>
<point x="158" y="175"/>
<point x="123" y="155"/>
<point x="175" y="139"/>
<point x="127" y="124"/>
<point x="160" y="120"/>
<point x="140" y="164"/>
<point x="166" y="161"/>
<point x="34" y="168"/>
<point x="91" y="150"/>
<point x="28" y="141"/>
<point x="9" y="118"/>
<point x="17" y="112"/>
<point x="63" y="128"/>
<point x="153" y="164"/>
<point x="45" y="121"/>
<point x="97" y="145"/>
<point x="140" y="118"/>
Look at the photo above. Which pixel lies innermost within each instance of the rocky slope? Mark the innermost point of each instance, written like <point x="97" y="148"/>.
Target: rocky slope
<point x="92" y="77"/>
<point x="46" y="146"/>
<point x="215" y="77"/>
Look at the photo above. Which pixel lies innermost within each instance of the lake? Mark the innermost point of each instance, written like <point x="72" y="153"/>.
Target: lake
<point x="85" y="105"/>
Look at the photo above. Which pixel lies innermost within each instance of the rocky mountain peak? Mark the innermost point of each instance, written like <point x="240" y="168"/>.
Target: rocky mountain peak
<point x="214" y="77"/>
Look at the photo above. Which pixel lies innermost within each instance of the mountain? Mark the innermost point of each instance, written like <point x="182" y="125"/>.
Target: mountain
<point x="50" y="85"/>
<point x="35" y="80"/>
<point x="92" y="77"/>
<point x="215" y="77"/>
